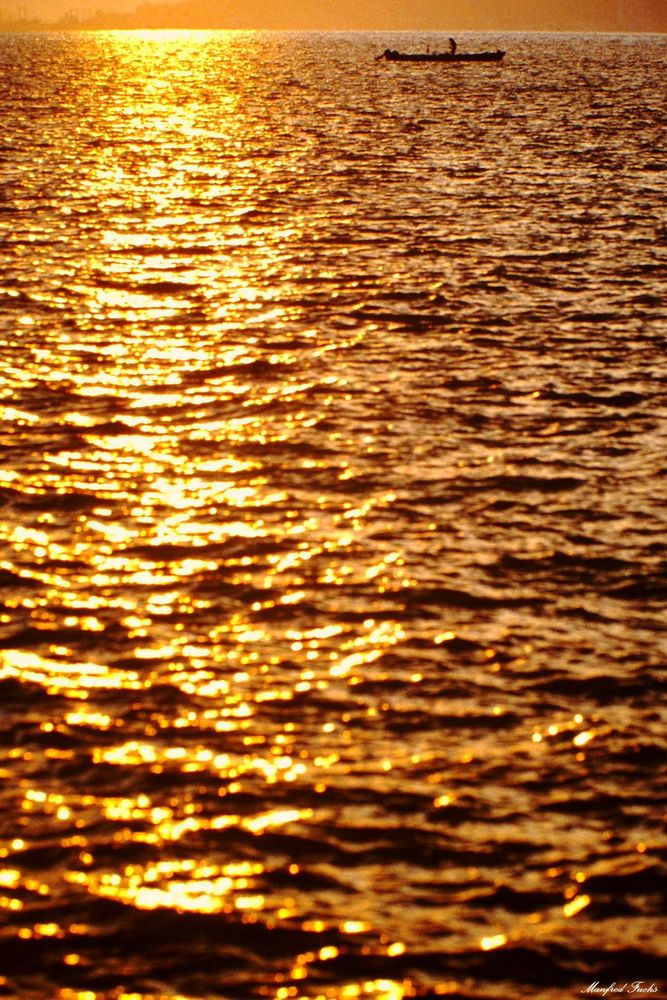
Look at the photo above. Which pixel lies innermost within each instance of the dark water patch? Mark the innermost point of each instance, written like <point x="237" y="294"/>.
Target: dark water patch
<point x="599" y="805"/>
<point x="105" y="428"/>
<point x="621" y="400"/>
<point x="451" y="597"/>
<point x="10" y="579"/>
<point x="645" y="882"/>
<point x="166" y="250"/>
<point x="405" y="721"/>
<point x="516" y="901"/>
<point x="226" y="941"/>
<point x="650" y="588"/>
<point x="15" y="692"/>
<point x="524" y="484"/>
<point x="602" y="689"/>
<point x="227" y="552"/>
<point x="565" y="560"/>
<point x="642" y="754"/>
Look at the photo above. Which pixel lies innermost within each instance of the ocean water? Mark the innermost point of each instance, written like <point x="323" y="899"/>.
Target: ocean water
<point x="332" y="587"/>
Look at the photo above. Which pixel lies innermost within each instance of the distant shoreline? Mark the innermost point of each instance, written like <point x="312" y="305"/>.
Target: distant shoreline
<point x="129" y="23"/>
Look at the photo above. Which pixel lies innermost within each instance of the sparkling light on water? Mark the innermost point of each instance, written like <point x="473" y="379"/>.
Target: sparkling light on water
<point x="333" y="547"/>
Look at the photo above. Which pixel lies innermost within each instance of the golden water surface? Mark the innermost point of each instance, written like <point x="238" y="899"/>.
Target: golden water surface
<point x="333" y="518"/>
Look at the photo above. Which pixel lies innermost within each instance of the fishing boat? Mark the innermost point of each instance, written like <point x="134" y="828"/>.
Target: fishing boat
<point x="445" y="57"/>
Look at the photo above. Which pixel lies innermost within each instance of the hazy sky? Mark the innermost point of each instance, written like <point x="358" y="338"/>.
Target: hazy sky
<point x="446" y="15"/>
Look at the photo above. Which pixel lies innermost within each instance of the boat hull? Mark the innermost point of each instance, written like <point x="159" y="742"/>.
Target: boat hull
<point x="442" y="57"/>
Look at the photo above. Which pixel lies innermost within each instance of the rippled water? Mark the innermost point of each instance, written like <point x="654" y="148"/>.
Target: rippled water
<point x="333" y="578"/>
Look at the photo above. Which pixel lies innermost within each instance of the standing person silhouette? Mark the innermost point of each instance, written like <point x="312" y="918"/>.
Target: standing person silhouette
<point x="452" y="45"/>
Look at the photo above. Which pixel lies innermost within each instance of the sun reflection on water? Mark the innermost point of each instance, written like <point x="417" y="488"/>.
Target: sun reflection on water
<point x="272" y="591"/>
